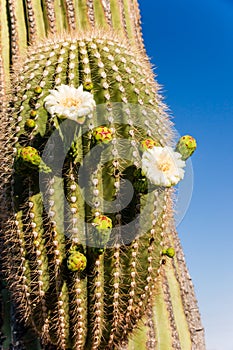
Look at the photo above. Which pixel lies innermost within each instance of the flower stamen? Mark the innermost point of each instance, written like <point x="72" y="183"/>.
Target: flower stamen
<point x="164" y="166"/>
<point x="70" y="102"/>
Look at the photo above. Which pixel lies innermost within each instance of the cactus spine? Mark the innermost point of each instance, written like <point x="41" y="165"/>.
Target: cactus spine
<point x="77" y="294"/>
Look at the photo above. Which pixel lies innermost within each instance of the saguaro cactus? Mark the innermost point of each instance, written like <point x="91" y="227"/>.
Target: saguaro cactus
<point x="91" y="261"/>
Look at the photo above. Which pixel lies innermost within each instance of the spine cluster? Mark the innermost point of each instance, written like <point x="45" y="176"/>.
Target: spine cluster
<point x="84" y="272"/>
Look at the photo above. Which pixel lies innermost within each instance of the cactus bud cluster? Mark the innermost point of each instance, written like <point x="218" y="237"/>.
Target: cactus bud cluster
<point x="85" y="265"/>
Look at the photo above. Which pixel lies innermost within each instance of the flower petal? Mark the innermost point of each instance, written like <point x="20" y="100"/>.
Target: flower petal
<point x="163" y="166"/>
<point x="68" y="102"/>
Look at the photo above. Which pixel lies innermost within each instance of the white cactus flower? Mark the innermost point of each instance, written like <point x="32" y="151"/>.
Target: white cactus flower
<point x="71" y="103"/>
<point x="163" y="166"/>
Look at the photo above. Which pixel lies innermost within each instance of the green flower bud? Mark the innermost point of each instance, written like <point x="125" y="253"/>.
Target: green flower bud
<point x="170" y="252"/>
<point x="102" y="231"/>
<point x="30" y="124"/>
<point x="76" y="261"/>
<point x="186" y="146"/>
<point x="88" y="85"/>
<point x="148" y="144"/>
<point x="103" y="134"/>
<point x="102" y="222"/>
<point x="29" y="157"/>
<point x="33" y="113"/>
<point x="38" y="90"/>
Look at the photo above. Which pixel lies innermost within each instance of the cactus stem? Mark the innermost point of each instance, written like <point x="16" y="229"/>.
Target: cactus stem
<point x="76" y="211"/>
<point x="82" y="18"/>
<point x="91" y="12"/>
<point x="15" y="9"/>
<point x="78" y="312"/>
<point x="161" y="319"/>
<point x="95" y="299"/>
<point x="133" y="275"/>
<point x="31" y="23"/>
<point x="116" y="296"/>
<point x="70" y="10"/>
<point x="101" y="20"/>
<point x="49" y="17"/>
<point x="19" y="268"/>
<point x="61" y="16"/>
<point x="40" y="277"/>
<point x="99" y="306"/>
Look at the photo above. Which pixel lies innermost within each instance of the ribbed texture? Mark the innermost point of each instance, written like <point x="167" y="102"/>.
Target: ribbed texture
<point x="28" y="22"/>
<point x="88" y="310"/>
<point x="110" y="297"/>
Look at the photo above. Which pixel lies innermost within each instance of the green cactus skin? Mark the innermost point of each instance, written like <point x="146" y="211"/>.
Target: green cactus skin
<point x="31" y="21"/>
<point x="113" y="302"/>
<point x="126" y="297"/>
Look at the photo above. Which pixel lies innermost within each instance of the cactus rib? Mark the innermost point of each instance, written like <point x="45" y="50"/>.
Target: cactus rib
<point x="85" y="270"/>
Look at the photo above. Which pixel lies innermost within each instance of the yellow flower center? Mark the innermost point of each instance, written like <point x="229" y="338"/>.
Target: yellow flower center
<point x="70" y="102"/>
<point x="164" y="166"/>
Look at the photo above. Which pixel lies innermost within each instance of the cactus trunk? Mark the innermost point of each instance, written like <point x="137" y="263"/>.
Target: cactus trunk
<point x="81" y="275"/>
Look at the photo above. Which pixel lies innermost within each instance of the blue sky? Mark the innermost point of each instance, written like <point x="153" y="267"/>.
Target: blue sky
<point x="191" y="45"/>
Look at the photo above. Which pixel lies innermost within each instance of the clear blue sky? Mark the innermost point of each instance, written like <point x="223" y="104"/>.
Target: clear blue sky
<point x="191" y="45"/>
